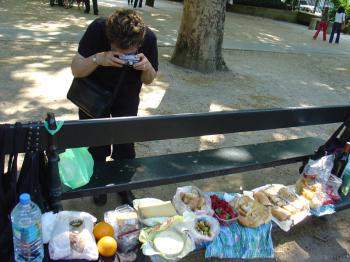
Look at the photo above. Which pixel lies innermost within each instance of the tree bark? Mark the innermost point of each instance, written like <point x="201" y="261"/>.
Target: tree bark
<point x="199" y="42"/>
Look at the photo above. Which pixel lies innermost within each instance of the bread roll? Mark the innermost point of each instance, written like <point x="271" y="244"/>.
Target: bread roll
<point x="251" y="212"/>
<point x="280" y="213"/>
<point x="262" y="198"/>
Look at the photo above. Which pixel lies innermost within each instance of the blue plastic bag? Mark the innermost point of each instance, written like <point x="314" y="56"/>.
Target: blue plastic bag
<point x="76" y="167"/>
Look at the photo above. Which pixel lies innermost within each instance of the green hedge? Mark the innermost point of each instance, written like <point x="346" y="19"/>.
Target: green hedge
<point x="277" y="4"/>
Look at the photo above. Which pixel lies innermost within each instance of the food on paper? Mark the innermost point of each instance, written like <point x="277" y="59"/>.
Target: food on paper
<point x="107" y="246"/>
<point x="280" y="213"/>
<point x="223" y="211"/>
<point x="262" y="198"/>
<point x="193" y="200"/>
<point x="284" y="202"/>
<point x="203" y="227"/>
<point x="150" y="209"/>
<point x="169" y="243"/>
<point x="103" y="229"/>
<point x="313" y="191"/>
<point x="251" y="212"/>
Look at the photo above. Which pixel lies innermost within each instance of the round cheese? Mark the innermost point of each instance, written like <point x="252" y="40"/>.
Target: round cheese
<point x="169" y="243"/>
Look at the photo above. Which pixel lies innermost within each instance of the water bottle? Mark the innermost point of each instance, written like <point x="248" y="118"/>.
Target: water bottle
<point x="26" y="229"/>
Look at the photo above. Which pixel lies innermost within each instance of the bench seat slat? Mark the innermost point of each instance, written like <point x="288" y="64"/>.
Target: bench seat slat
<point x="154" y="171"/>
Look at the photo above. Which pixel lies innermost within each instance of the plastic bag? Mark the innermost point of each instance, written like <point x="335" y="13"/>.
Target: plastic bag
<point x="319" y="169"/>
<point x="48" y="222"/>
<point x="76" y="167"/>
<point x="196" y="224"/>
<point x="126" y="227"/>
<point x="72" y="237"/>
<point x="175" y="225"/>
<point x="332" y="186"/>
<point x="192" y="199"/>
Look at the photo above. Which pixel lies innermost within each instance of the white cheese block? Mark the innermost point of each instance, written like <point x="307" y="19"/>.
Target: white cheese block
<point x="169" y="243"/>
<point x="156" y="209"/>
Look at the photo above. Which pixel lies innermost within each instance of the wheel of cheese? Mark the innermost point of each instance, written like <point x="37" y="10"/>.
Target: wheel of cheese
<point x="169" y="243"/>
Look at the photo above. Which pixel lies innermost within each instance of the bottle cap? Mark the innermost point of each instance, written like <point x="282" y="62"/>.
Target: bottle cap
<point x="24" y="198"/>
<point x="346" y="148"/>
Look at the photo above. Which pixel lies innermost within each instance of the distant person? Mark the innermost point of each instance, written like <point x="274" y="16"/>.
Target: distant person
<point x="138" y="1"/>
<point x="130" y="2"/>
<point x="323" y="24"/>
<point x="87" y="6"/>
<point x="338" y="21"/>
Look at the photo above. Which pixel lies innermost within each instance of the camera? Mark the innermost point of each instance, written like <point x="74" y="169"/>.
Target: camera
<point x="129" y="59"/>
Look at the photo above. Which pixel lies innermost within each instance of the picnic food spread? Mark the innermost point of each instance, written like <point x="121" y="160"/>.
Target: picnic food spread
<point x="227" y="225"/>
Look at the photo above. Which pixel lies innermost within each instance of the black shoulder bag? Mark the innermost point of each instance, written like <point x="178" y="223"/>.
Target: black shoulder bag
<point x="91" y="98"/>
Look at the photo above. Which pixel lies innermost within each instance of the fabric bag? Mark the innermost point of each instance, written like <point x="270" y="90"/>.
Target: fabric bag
<point x="8" y="198"/>
<point x="93" y="99"/>
<point x="33" y="177"/>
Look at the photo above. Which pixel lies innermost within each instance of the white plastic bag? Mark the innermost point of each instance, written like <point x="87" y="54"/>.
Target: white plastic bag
<point x="198" y="237"/>
<point x="198" y="197"/>
<point x="48" y="222"/>
<point x="72" y="237"/>
<point x="319" y="169"/>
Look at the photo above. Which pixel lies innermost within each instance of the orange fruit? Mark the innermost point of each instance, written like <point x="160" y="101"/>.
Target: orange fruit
<point x="107" y="246"/>
<point x="103" y="229"/>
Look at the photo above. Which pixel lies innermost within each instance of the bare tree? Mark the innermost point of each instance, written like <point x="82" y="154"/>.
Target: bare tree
<point x="199" y="42"/>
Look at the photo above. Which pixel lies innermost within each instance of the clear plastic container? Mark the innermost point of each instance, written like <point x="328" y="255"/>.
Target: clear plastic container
<point x="26" y="228"/>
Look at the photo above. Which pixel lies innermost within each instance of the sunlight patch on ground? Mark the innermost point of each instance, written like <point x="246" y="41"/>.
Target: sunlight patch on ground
<point x="206" y="141"/>
<point x="268" y="38"/>
<point x="342" y="69"/>
<point x="279" y="136"/>
<point x="152" y="95"/>
<point x="293" y="248"/>
<point x="46" y="85"/>
<point x="323" y="85"/>
<point x="216" y="107"/>
<point x="153" y="29"/>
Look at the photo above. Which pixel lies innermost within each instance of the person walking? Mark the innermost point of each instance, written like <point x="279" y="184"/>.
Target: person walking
<point x="338" y="21"/>
<point x="94" y="5"/>
<point x="99" y="57"/>
<point x="130" y="2"/>
<point x="138" y="1"/>
<point x="323" y="24"/>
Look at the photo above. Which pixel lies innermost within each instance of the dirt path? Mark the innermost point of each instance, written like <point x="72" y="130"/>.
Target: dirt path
<point x="272" y="64"/>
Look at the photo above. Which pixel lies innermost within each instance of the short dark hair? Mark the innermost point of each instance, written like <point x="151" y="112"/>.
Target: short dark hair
<point x="125" y="28"/>
<point x="341" y="9"/>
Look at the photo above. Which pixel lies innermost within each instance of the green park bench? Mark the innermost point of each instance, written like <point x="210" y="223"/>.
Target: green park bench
<point x="150" y="171"/>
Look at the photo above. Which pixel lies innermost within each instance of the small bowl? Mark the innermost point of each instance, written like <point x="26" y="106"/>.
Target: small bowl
<point x="224" y="222"/>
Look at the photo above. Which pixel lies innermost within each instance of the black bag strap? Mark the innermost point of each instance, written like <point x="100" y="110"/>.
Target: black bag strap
<point x="3" y="130"/>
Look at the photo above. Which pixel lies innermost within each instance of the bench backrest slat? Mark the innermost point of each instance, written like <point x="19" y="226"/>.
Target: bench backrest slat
<point x="137" y="129"/>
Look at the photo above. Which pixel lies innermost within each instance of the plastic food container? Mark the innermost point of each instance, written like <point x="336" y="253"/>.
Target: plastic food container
<point x="226" y="222"/>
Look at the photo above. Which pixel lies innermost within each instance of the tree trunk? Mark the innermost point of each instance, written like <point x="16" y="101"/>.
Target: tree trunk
<point x="199" y="42"/>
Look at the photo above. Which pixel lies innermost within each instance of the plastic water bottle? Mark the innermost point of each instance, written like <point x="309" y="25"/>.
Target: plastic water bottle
<point x="26" y="229"/>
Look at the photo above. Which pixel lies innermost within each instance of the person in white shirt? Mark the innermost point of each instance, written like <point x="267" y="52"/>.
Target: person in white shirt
<point x="338" y="21"/>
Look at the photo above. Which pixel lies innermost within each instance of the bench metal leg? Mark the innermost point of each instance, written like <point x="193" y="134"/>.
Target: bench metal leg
<point x="55" y="190"/>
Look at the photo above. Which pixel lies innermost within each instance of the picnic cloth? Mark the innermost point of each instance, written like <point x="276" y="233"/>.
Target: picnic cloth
<point x="322" y="210"/>
<point x="236" y="241"/>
